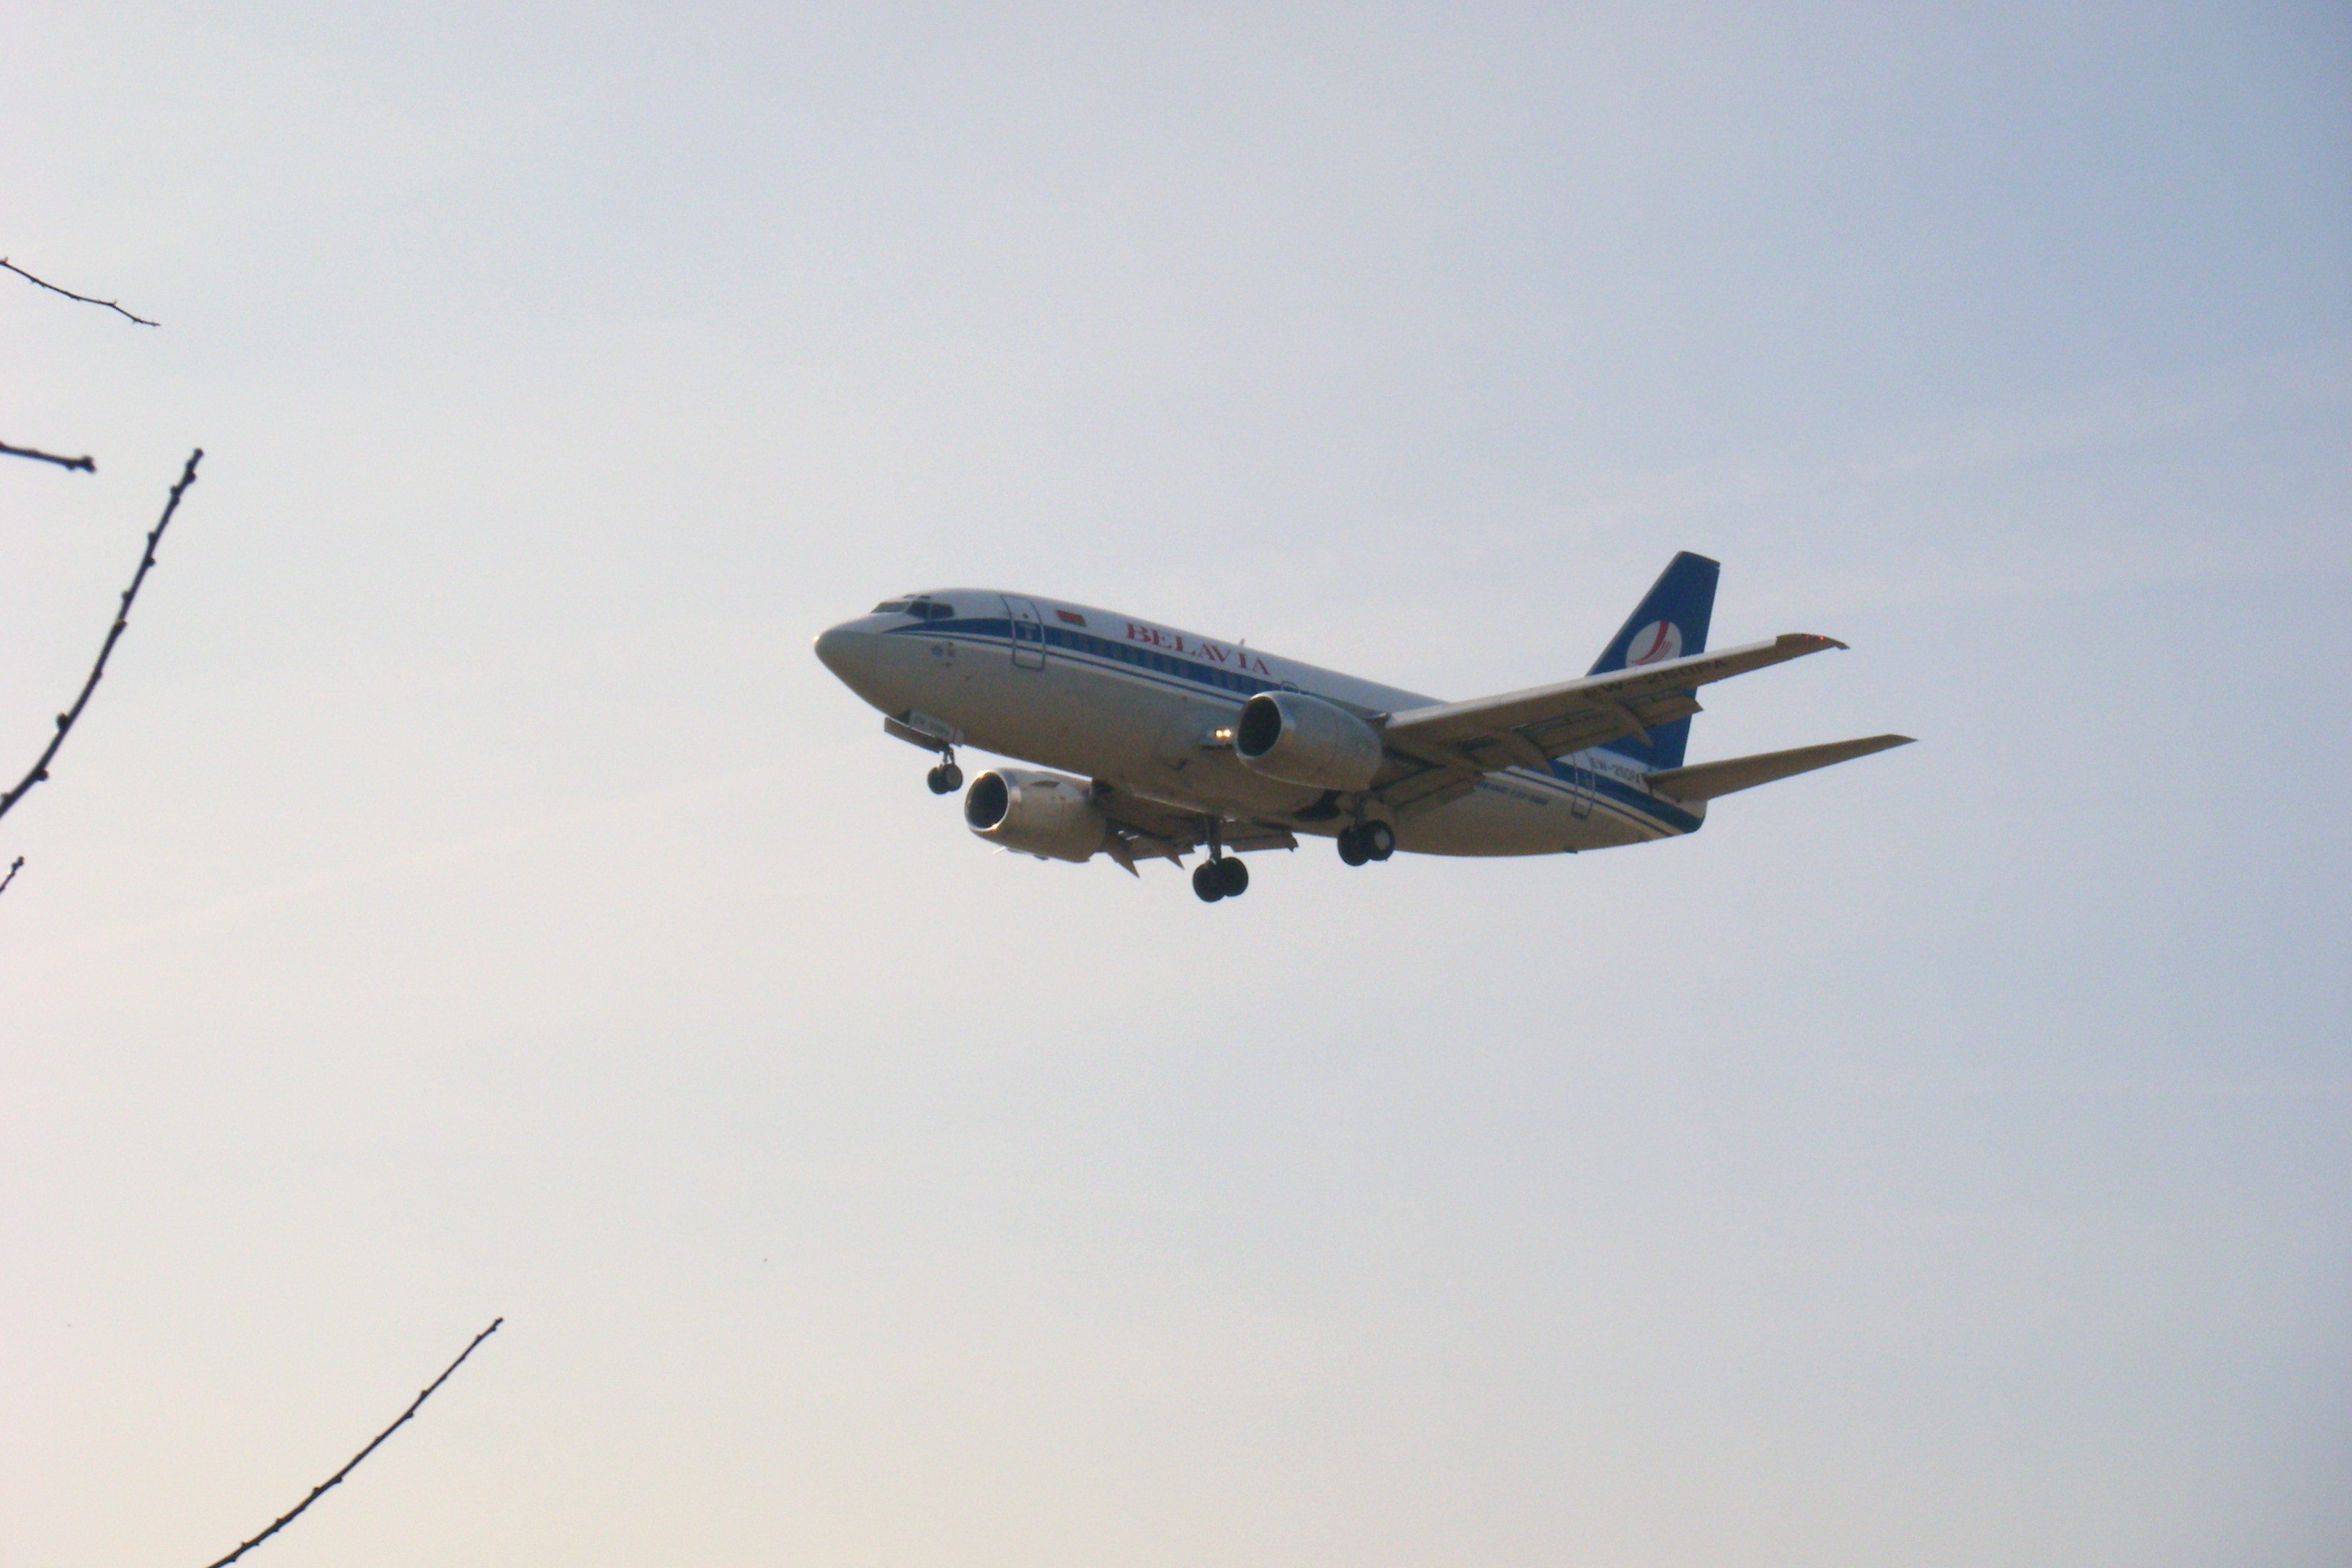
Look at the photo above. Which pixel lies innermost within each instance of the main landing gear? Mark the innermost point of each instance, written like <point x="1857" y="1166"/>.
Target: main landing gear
<point x="1221" y="876"/>
<point x="1366" y="841"/>
<point x="1225" y="878"/>
<point x="947" y="778"/>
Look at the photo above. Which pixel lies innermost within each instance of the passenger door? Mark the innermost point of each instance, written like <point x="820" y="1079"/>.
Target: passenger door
<point x="1581" y="786"/>
<point x="1028" y="634"/>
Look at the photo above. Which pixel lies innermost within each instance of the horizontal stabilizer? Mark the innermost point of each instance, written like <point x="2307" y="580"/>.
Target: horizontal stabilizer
<point x="1706" y="780"/>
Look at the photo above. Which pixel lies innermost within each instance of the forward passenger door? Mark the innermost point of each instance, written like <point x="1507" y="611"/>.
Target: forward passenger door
<point x="1028" y="634"/>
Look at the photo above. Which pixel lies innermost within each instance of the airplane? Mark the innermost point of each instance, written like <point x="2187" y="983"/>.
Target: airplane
<point x="1174" y="742"/>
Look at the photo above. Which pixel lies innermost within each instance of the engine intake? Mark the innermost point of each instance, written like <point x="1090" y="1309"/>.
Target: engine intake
<point x="1045" y="815"/>
<point x="1303" y="740"/>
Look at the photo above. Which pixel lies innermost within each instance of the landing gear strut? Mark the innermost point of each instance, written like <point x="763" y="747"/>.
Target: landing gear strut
<point x="1221" y="876"/>
<point x="947" y="778"/>
<point x="1366" y="841"/>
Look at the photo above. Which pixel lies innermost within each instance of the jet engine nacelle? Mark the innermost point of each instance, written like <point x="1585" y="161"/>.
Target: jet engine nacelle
<point x="1303" y="740"/>
<point x="1044" y="814"/>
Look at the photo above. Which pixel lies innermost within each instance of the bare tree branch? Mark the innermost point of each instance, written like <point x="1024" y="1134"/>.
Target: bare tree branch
<point x="122" y="619"/>
<point x="12" y="874"/>
<point x="336" y="1478"/>
<point x="71" y="295"/>
<point x="86" y="464"/>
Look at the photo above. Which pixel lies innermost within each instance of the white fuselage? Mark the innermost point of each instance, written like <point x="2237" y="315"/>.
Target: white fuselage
<point x="1151" y="710"/>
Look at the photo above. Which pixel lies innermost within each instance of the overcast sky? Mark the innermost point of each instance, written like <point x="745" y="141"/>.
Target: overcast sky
<point x="468" y="896"/>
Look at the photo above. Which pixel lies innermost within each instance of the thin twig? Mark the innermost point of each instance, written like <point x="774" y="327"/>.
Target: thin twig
<point x="71" y="295"/>
<point x="85" y="464"/>
<point x="317" y="1492"/>
<point x="122" y="619"/>
<point x="12" y="874"/>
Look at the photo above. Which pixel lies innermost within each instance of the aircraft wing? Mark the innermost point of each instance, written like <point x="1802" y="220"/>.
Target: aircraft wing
<point x="1438" y="753"/>
<point x="1153" y="829"/>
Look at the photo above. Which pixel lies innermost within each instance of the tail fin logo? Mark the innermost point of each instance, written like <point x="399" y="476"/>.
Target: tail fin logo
<point x="1657" y="641"/>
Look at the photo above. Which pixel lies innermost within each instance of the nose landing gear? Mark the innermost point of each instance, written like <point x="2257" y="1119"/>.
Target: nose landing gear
<point x="934" y="735"/>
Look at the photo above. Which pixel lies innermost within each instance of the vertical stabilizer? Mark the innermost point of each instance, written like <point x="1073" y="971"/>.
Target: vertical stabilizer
<point x="1669" y="623"/>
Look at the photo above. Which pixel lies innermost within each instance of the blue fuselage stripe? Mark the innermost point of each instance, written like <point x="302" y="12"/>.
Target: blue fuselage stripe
<point x="1189" y="675"/>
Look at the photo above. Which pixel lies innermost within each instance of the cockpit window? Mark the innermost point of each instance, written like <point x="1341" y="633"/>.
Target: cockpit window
<point x="916" y="606"/>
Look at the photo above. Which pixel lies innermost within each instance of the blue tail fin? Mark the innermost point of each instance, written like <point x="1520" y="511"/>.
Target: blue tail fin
<point x="1669" y="623"/>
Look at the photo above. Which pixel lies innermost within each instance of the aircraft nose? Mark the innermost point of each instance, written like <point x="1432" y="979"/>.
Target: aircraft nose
<point x="840" y="649"/>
